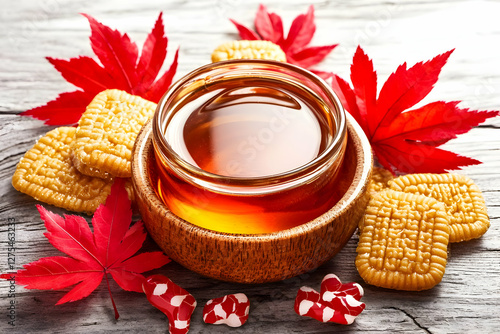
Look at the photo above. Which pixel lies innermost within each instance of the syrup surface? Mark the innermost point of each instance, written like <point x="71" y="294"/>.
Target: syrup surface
<point x="248" y="131"/>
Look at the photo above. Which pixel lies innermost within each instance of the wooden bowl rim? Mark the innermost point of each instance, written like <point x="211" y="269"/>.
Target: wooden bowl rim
<point x="361" y="177"/>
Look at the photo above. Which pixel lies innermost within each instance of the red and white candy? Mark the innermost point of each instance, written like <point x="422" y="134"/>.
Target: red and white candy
<point x="177" y="304"/>
<point x="336" y="302"/>
<point x="231" y="310"/>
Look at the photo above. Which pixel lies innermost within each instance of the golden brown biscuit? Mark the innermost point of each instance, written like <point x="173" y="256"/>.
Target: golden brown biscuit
<point x="47" y="174"/>
<point x="248" y="50"/>
<point x="107" y="131"/>
<point x="403" y="242"/>
<point x="463" y="201"/>
<point x="379" y="181"/>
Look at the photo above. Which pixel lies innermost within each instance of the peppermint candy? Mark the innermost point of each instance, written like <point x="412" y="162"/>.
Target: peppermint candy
<point x="336" y="302"/>
<point x="177" y="304"/>
<point x="231" y="310"/>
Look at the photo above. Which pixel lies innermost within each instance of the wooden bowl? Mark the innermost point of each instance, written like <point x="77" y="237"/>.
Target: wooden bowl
<point x="255" y="258"/>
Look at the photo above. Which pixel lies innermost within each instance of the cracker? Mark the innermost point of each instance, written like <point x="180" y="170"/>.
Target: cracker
<point x="463" y="201"/>
<point x="47" y="174"/>
<point x="404" y="240"/>
<point x="107" y="131"/>
<point x="257" y="49"/>
<point x="379" y="180"/>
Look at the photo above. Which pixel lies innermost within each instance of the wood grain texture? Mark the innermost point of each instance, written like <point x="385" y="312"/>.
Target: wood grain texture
<point x="468" y="298"/>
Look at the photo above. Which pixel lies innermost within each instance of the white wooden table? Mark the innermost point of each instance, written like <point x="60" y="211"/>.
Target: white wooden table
<point x="468" y="298"/>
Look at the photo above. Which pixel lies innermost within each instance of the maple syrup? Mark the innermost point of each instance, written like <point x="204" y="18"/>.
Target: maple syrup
<point x="248" y="146"/>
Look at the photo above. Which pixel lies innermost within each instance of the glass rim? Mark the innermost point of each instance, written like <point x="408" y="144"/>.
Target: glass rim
<point x="179" y="164"/>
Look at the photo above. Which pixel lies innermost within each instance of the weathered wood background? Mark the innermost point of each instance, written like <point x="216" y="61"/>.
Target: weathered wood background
<point x="468" y="298"/>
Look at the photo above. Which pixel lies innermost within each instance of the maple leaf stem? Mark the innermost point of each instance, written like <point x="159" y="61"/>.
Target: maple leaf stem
<point x="111" y="296"/>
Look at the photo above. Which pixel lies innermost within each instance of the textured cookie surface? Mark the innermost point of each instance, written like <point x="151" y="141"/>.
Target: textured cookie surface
<point x="379" y="181"/>
<point x="47" y="174"/>
<point x="463" y="201"/>
<point x="403" y="241"/>
<point x="248" y="50"/>
<point x="107" y="131"/>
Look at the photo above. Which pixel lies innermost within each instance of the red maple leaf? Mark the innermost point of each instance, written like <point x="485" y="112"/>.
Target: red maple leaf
<point x="269" y="27"/>
<point x="121" y="68"/>
<point x="94" y="255"/>
<point x="407" y="140"/>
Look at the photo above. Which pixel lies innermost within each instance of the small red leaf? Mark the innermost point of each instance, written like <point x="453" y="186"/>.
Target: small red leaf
<point x="310" y="56"/>
<point x="161" y="85"/>
<point x="71" y="234"/>
<point x="152" y="57"/>
<point x="435" y="122"/>
<point x="382" y="160"/>
<point x="53" y="273"/>
<point x="65" y="109"/>
<point x="406" y="140"/>
<point x="269" y="25"/>
<point x="127" y="280"/>
<point x="108" y="222"/>
<point x="131" y="242"/>
<point x="109" y="250"/>
<point x="116" y="52"/>
<point x="364" y="81"/>
<point x="82" y="289"/>
<point x="145" y="262"/>
<point x="348" y="99"/>
<point x="84" y="73"/>
<point x="301" y="32"/>
<point x="277" y="24"/>
<point x="325" y="75"/>
<point x="408" y="157"/>
<point x="245" y="33"/>
<point x="121" y="69"/>
<point x="406" y="87"/>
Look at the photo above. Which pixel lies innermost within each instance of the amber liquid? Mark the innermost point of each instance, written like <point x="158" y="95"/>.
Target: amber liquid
<point x="248" y="130"/>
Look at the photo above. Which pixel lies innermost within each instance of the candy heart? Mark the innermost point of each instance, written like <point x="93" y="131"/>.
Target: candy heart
<point x="231" y="310"/>
<point x="177" y="304"/>
<point x="336" y="302"/>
